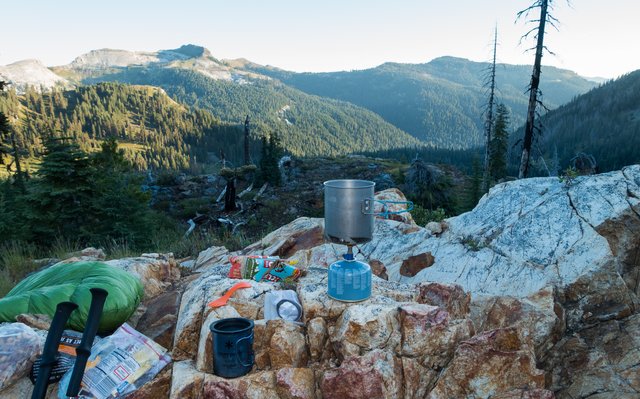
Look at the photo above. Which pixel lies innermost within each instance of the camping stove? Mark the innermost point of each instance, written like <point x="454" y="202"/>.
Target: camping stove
<point x="349" y="279"/>
<point x="348" y="220"/>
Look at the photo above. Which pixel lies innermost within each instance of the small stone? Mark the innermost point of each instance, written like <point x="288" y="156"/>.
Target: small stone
<point x="416" y="263"/>
<point x="434" y="227"/>
<point x="378" y="269"/>
<point x="39" y="321"/>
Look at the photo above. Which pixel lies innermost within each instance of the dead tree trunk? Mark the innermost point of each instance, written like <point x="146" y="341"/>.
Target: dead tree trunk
<point x="533" y="89"/>
<point x="16" y="158"/>
<point x="246" y="141"/>
<point x="230" y="196"/>
<point x="489" y="122"/>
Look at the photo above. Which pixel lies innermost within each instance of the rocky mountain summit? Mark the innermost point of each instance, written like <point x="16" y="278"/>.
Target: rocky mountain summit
<point x="31" y="73"/>
<point x="35" y="74"/>
<point x="187" y="57"/>
<point x="106" y="58"/>
<point x="533" y="294"/>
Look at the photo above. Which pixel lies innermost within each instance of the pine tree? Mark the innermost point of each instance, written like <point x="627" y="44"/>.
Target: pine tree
<point x="491" y="82"/>
<point x="12" y="227"/>
<point x="271" y="153"/>
<point x="5" y="148"/>
<point x="119" y="209"/>
<point x="499" y="144"/>
<point x="475" y="189"/>
<point x="9" y="146"/>
<point x="59" y="201"/>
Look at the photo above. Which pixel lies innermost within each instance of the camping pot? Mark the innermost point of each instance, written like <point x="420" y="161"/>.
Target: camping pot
<point x="232" y="346"/>
<point x="348" y="211"/>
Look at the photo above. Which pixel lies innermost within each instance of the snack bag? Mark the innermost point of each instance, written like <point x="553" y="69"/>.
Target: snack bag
<point x="119" y="364"/>
<point x="65" y="359"/>
<point x="259" y="267"/>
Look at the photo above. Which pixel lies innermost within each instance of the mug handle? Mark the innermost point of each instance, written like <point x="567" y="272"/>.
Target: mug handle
<point x="249" y="337"/>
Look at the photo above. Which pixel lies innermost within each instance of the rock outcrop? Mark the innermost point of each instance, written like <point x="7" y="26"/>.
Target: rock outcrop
<point x="31" y="73"/>
<point x="533" y="294"/>
<point x="343" y="351"/>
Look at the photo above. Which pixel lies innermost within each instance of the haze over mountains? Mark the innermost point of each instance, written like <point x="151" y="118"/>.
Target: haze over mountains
<point x="440" y="102"/>
<point x="436" y="104"/>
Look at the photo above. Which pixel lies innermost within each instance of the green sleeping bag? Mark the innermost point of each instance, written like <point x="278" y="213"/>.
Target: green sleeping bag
<point x="42" y="291"/>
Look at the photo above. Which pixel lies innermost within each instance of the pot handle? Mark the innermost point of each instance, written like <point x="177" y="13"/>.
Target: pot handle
<point x="367" y="207"/>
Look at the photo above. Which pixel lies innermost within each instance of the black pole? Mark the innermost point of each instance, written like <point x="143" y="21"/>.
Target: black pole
<point x="98" y="297"/>
<point x="50" y="350"/>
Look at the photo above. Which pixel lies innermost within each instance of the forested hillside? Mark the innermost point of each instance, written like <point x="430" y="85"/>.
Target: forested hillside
<point x="440" y="102"/>
<point x="155" y="131"/>
<point x="604" y="123"/>
<point x="307" y="125"/>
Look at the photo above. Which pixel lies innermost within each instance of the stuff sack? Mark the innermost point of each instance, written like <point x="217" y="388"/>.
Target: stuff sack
<point x="41" y="292"/>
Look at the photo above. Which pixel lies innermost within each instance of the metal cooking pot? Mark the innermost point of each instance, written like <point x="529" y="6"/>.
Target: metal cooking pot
<point x="348" y="211"/>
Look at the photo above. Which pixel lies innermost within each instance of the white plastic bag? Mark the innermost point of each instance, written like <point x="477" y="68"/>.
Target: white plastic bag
<point x="19" y="347"/>
<point x="119" y="364"/>
<point x="282" y="304"/>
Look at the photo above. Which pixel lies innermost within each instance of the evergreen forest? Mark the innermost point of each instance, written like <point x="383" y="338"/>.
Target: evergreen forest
<point x="308" y="125"/>
<point x="603" y="123"/>
<point x="155" y="132"/>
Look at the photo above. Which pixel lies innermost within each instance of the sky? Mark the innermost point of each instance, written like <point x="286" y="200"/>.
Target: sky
<point x="595" y="38"/>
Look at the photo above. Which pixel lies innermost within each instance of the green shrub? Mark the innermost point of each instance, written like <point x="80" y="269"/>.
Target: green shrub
<point x="16" y="261"/>
<point x="188" y="208"/>
<point x="422" y="215"/>
<point x="167" y="178"/>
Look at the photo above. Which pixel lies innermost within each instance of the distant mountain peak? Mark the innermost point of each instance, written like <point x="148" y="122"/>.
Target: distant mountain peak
<point x="114" y="58"/>
<point x="32" y="73"/>
<point x="192" y="51"/>
<point x="106" y="57"/>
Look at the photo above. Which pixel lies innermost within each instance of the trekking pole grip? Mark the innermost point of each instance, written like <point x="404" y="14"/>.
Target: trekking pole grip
<point x="50" y="350"/>
<point x="98" y="298"/>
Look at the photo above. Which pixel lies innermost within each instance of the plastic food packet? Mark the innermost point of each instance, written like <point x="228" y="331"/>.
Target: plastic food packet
<point x="19" y="346"/>
<point x="258" y="267"/>
<point x="282" y="304"/>
<point x="65" y="359"/>
<point x="119" y="364"/>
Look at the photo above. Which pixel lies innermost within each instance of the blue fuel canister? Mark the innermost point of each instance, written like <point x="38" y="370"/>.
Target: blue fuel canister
<point x="349" y="280"/>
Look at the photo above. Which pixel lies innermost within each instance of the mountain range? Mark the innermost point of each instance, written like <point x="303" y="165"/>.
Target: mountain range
<point x="438" y="104"/>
